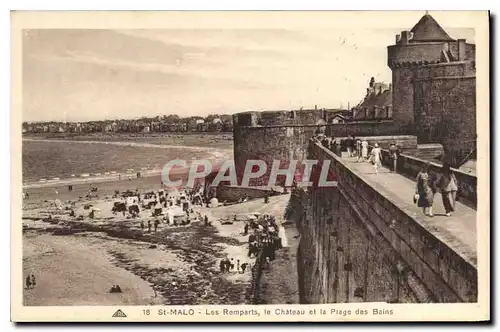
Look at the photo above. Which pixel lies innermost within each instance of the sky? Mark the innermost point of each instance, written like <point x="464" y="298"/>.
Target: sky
<point x="85" y="74"/>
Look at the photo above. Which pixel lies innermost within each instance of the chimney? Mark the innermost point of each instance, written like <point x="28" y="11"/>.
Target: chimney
<point x="461" y="49"/>
<point x="405" y="37"/>
<point x="315" y="107"/>
<point x="398" y="38"/>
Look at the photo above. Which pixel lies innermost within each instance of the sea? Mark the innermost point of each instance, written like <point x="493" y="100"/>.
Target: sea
<point x="46" y="160"/>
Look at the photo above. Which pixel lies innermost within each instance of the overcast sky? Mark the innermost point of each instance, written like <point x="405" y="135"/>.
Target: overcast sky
<point x="80" y="75"/>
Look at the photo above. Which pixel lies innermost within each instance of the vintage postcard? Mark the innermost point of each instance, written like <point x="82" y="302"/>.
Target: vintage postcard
<point x="206" y="166"/>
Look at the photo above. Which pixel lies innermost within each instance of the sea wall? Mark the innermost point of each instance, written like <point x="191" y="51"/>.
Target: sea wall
<point x="234" y="193"/>
<point x="253" y="290"/>
<point x="357" y="245"/>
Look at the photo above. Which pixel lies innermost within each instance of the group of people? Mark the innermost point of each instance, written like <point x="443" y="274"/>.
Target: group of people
<point x="228" y="265"/>
<point x="264" y="236"/>
<point x="156" y="224"/>
<point x="362" y="150"/>
<point x="115" y="289"/>
<point x="428" y="185"/>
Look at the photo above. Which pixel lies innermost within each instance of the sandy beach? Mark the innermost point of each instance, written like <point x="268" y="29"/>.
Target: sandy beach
<point x="77" y="261"/>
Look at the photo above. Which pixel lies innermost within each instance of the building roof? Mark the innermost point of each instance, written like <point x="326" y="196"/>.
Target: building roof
<point x="428" y="30"/>
<point x="377" y="99"/>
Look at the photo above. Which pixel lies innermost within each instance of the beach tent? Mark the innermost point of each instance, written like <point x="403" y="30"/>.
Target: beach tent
<point x="174" y="212"/>
<point x="214" y="202"/>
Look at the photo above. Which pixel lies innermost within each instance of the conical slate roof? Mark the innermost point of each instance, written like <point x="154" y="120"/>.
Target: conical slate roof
<point x="428" y="30"/>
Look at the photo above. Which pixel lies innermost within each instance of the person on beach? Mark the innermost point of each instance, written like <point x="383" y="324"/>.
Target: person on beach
<point x="28" y="282"/>
<point x="243" y="267"/>
<point x="156" y="224"/>
<point x="266" y="264"/>
<point x="376" y="157"/>
<point x="222" y="265"/>
<point x="142" y="225"/>
<point x="231" y="264"/>
<point x="424" y="190"/>
<point x="448" y="185"/>
<point x="149" y="226"/>
<point x="238" y="265"/>
<point x="33" y="280"/>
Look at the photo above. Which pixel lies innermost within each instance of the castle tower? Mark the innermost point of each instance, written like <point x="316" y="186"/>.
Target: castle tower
<point x="434" y="85"/>
<point x="426" y="43"/>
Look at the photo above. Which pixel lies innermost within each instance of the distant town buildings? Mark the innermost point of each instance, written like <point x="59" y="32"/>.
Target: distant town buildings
<point x="213" y="123"/>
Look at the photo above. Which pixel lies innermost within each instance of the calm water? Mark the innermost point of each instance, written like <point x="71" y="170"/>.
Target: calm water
<point x="43" y="159"/>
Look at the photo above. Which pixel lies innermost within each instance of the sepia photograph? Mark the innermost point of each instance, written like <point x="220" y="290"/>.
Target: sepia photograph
<point x="258" y="161"/>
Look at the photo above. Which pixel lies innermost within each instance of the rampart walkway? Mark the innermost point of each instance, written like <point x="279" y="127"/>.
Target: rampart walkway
<point x="457" y="231"/>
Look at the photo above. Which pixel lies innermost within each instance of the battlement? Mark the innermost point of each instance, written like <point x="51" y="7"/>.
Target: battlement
<point x="421" y="54"/>
<point x="458" y="69"/>
<point x="305" y="117"/>
<point x="412" y="55"/>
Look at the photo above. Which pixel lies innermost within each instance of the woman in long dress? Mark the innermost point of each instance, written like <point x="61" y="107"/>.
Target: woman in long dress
<point x="376" y="157"/>
<point x="364" y="149"/>
<point x="449" y="186"/>
<point x="425" y="190"/>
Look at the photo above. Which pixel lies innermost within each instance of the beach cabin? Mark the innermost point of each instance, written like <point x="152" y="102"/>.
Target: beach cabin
<point x="174" y="212"/>
<point x="131" y="200"/>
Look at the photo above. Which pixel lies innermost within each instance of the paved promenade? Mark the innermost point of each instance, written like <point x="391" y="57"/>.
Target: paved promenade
<point x="457" y="231"/>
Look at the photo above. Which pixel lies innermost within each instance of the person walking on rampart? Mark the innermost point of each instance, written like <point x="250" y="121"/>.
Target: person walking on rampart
<point x="393" y="150"/>
<point x="376" y="157"/>
<point x="425" y="190"/>
<point x="349" y="145"/>
<point x="364" y="149"/>
<point x="358" y="149"/>
<point x="448" y="185"/>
